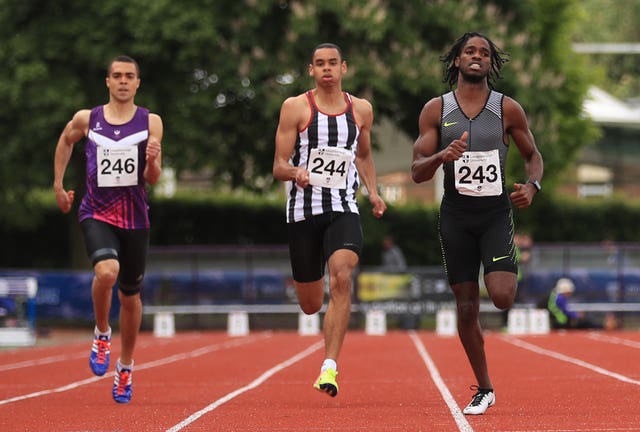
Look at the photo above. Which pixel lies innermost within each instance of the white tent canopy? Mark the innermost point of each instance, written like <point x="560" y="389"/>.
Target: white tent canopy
<point x="606" y="110"/>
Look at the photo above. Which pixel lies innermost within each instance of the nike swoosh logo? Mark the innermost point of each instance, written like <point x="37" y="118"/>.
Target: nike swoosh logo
<point x="447" y="124"/>
<point x="500" y="258"/>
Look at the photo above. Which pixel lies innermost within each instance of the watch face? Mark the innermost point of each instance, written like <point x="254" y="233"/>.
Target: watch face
<point x="536" y="184"/>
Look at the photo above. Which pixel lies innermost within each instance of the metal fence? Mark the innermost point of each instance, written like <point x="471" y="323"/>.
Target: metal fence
<point x="261" y="273"/>
<point x="198" y="275"/>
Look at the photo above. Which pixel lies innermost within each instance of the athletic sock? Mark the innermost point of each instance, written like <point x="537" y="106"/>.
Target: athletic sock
<point x="99" y="333"/>
<point x="124" y="366"/>
<point x="329" y="364"/>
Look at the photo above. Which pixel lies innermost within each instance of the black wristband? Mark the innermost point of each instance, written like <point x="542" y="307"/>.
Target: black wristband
<point x="536" y="184"/>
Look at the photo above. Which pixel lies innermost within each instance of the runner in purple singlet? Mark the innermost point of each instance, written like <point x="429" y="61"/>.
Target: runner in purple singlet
<point x="123" y="153"/>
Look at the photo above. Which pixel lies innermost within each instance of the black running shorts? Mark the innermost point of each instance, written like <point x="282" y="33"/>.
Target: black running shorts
<point x="313" y="241"/>
<point x="128" y="246"/>
<point x="469" y="238"/>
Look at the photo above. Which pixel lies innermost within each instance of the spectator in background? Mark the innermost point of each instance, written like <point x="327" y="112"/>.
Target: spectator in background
<point x="392" y="256"/>
<point x="561" y="315"/>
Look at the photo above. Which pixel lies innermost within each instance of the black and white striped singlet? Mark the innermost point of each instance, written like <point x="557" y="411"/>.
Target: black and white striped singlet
<point x="324" y="130"/>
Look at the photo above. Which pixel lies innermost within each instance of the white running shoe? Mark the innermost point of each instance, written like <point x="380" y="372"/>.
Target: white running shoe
<point x="481" y="401"/>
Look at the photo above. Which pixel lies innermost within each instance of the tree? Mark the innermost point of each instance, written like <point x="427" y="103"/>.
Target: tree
<point x="616" y="22"/>
<point x="218" y="70"/>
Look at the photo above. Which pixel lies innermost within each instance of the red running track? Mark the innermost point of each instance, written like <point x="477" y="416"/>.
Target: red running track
<point x="403" y="381"/>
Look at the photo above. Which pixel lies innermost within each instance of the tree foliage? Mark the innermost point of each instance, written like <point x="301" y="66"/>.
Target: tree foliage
<point x="616" y="22"/>
<point x="217" y="72"/>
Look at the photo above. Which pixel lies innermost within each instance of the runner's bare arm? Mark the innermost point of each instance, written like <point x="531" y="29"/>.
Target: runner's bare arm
<point x="153" y="166"/>
<point x="426" y="158"/>
<point x="291" y="115"/>
<point x="517" y="127"/>
<point x="73" y="132"/>
<point x="364" y="158"/>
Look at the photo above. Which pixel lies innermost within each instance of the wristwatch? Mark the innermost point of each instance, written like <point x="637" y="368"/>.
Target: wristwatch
<point x="536" y="184"/>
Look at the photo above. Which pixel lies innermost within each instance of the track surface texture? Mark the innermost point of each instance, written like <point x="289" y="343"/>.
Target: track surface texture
<point x="403" y="381"/>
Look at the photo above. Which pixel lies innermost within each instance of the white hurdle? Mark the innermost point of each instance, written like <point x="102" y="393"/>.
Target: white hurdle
<point x="517" y="322"/>
<point x="446" y="322"/>
<point x="164" y="324"/>
<point x="528" y="321"/>
<point x="238" y="323"/>
<point x="538" y="321"/>
<point x="308" y="325"/>
<point x="376" y="323"/>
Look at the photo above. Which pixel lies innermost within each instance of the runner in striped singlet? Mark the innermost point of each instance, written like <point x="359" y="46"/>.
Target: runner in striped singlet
<point x="322" y="152"/>
<point x="467" y="131"/>
<point x="123" y="154"/>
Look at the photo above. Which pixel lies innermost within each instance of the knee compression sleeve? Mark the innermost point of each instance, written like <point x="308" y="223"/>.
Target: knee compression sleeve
<point x="128" y="290"/>
<point x="103" y="254"/>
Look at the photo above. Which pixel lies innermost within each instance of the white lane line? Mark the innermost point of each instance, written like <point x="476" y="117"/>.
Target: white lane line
<point x="68" y="357"/>
<point x="161" y="362"/>
<point x="459" y="418"/>
<point x="568" y="359"/>
<point x="43" y="361"/>
<point x="614" y="340"/>
<point x="253" y="384"/>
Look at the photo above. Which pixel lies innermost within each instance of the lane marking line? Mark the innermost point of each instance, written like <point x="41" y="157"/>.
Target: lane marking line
<point x="461" y="421"/>
<point x="41" y="361"/>
<point x="253" y="384"/>
<point x="614" y="340"/>
<point x="543" y="351"/>
<point x="147" y="365"/>
<point x="67" y="357"/>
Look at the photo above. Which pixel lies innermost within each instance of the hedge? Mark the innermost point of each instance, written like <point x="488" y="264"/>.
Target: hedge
<point x="54" y="240"/>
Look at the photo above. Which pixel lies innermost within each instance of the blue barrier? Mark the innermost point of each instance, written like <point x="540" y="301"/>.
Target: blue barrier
<point x="215" y="287"/>
<point x="592" y="286"/>
<point x="63" y="295"/>
<point x="67" y="295"/>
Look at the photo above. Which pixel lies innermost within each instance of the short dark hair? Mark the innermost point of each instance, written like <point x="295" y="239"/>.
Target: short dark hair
<point x="326" y="45"/>
<point x="123" y="59"/>
<point x="498" y="58"/>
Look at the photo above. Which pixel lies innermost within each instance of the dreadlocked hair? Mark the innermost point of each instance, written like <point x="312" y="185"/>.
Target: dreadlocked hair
<point x="498" y="58"/>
